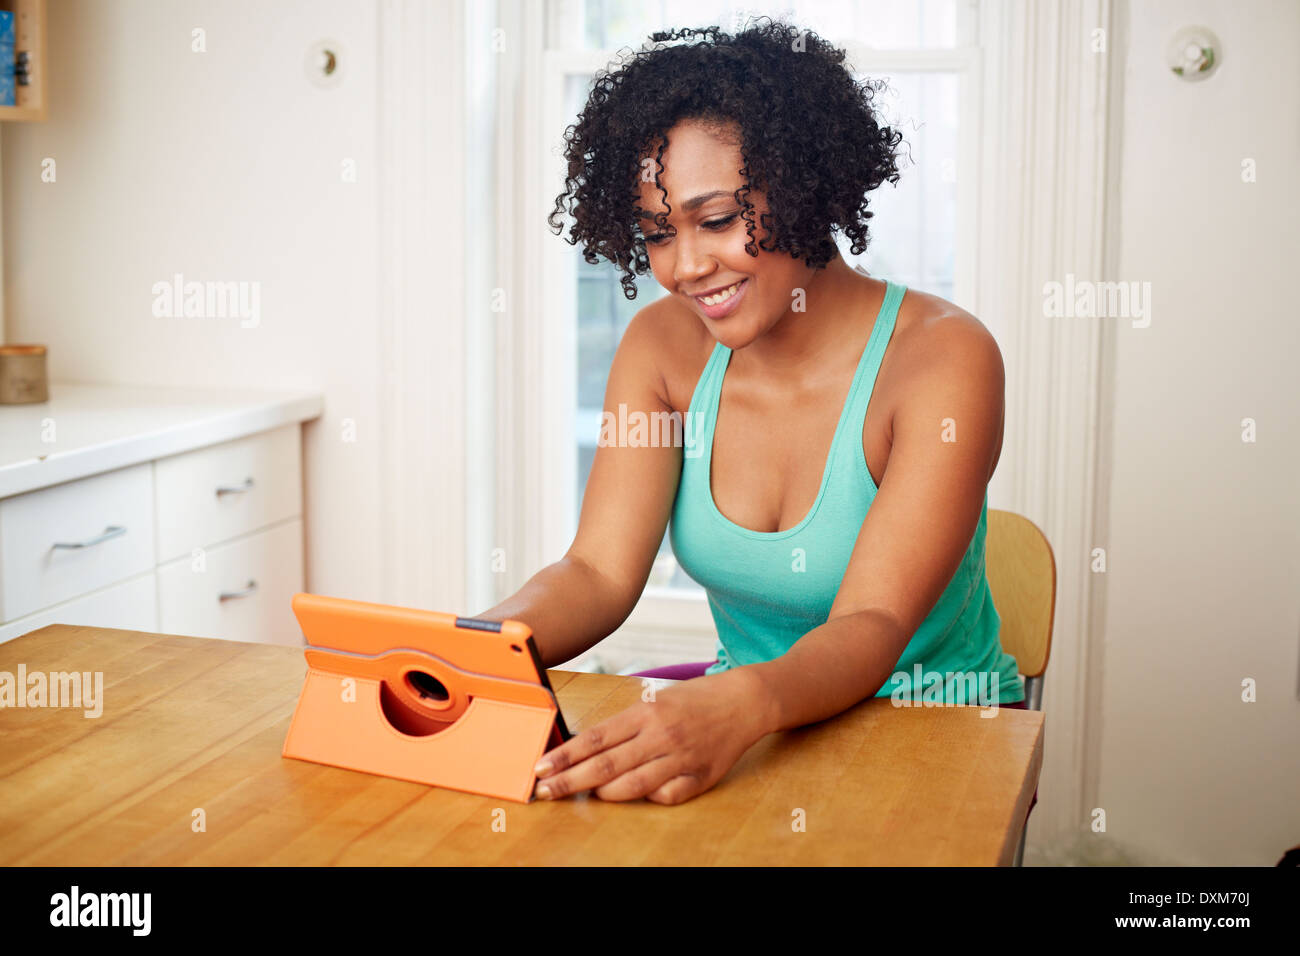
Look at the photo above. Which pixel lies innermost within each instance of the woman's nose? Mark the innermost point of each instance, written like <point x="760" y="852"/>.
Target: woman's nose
<point x="693" y="263"/>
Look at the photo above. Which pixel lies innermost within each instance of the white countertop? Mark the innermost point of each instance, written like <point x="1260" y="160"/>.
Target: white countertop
<point x="102" y="427"/>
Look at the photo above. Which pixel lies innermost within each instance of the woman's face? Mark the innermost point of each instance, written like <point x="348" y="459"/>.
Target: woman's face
<point x="704" y="247"/>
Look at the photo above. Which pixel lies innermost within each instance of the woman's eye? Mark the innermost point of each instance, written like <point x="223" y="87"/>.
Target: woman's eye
<point x="713" y="225"/>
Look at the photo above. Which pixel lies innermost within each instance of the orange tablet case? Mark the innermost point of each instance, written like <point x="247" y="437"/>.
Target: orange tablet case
<point x="423" y="696"/>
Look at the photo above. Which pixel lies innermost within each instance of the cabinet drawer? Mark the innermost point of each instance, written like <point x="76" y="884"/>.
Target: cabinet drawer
<point x="190" y="596"/>
<point x="131" y="606"/>
<point x="38" y="564"/>
<point x="213" y="494"/>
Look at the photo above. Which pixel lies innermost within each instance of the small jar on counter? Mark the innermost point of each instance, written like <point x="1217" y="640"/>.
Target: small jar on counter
<point x="23" y="380"/>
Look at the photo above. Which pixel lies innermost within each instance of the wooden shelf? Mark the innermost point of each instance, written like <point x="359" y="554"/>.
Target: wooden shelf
<point x="29" y="35"/>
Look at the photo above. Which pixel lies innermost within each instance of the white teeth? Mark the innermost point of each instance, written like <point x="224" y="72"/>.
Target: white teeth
<point x="722" y="296"/>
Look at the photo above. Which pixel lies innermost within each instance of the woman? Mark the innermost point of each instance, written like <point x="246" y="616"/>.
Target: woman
<point x="840" y="431"/>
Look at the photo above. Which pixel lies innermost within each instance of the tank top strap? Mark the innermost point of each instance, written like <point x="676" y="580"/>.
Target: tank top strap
<point x="703" y="411"/>
<point x="864" y="380"/>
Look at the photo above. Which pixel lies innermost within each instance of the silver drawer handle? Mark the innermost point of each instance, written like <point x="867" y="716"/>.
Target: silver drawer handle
<point x="112" y="531"/>
<point x="235" y="489"/>
<point x="229" y="595"/>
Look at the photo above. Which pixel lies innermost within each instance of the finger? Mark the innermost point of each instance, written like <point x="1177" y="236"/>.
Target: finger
<point x="596" y="770"/>
<point x="607" y="733"/>
<point x="678" y="789"/>
<point x="642" y="779"/>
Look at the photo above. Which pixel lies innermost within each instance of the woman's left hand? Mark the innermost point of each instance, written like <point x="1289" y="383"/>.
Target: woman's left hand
<point x="667" y="750"/>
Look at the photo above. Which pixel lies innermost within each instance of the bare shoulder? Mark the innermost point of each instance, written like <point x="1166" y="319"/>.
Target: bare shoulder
<point x="672" y="344"/>
<point x="935" y="337"/>
<point x="942" y="360"/>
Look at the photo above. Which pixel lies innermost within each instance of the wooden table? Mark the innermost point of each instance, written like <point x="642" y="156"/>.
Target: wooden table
<point x="193" y="724"/>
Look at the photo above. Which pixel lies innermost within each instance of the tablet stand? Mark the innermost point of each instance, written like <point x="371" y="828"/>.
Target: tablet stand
<point x="412" y="715"/>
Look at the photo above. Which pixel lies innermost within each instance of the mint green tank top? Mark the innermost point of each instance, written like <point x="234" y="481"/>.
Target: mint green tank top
<point x="768" y="589"/>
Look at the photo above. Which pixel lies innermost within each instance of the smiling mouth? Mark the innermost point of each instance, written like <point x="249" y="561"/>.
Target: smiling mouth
<point x="718" y="298"/>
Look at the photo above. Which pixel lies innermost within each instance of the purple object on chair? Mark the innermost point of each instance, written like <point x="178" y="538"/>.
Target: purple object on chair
<point x="676" y="671"/>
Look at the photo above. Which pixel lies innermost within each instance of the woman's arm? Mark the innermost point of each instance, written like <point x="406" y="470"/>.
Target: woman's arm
<point x="587" y="594"/>
<point x="914" y="537"/>
<point x="570" y="605"/>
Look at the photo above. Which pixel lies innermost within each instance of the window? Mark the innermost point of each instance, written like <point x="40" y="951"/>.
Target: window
<point x="920" y="235"/>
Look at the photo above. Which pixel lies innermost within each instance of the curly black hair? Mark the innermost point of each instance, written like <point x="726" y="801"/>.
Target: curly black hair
<point x="809" y="138"/>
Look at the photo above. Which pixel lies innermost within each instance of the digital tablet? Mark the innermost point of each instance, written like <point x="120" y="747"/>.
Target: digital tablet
<point x="430" y="664"/>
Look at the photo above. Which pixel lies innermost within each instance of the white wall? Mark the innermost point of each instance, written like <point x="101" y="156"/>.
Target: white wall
<point x="222" y="165"/>
<point x="1203" y="586"/>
